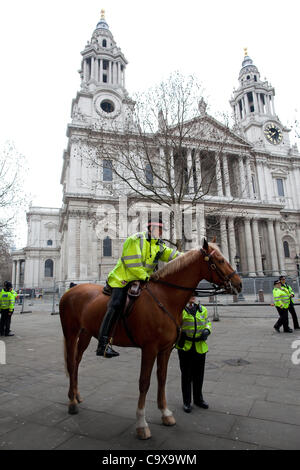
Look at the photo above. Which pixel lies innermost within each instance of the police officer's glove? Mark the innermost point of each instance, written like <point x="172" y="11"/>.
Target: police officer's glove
<point x="181" y="340"/>
<point x="205" y="333"/>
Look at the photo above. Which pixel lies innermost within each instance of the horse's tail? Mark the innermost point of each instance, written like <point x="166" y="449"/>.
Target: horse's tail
<point x="65" y="357"/>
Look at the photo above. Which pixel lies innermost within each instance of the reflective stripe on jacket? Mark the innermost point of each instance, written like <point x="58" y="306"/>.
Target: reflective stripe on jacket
<point x="139" y="259"/>
<point x="290" y="292"/>
<point x="193" y="326"/>
<point x="7" y="300"/>
<point x="281" y="297"/>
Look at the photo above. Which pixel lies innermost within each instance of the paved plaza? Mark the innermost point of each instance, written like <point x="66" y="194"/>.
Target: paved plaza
<point x="251" y="385"/>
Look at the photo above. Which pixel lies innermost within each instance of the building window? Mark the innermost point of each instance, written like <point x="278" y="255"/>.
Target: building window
<point x="280" y="187"/>
<point x="49" y="242"/>
<point x="49" y="268"/>
<point x="107" y="170"/>
<point x="104" y="78"/>
<point x="286" y="249"/>
<point x="107" y="247"/>
<point x="107" y="106"/>
<point x="149" y="174"/>
<point x="104" y="43"/>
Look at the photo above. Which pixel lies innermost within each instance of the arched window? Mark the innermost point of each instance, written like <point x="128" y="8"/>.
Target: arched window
<point x="107" y="247"/>
<point x="149" y="174"/>
<point x="49" y="242"/>
<point x="49" y="268"/>
<point x="104" y="43"/>
<point x="286" y="249"/>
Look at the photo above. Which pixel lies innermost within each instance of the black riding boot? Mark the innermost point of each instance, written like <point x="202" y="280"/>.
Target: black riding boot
<point x="114" y="307"/>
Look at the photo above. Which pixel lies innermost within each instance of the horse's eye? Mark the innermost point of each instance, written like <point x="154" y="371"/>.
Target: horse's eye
<point x="222" y="261"/>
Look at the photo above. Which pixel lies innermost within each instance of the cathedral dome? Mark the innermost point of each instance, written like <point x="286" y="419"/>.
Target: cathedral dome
<point x="102" y="23"/>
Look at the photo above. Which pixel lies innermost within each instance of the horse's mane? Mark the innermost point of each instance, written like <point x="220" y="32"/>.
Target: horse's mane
<point x="180" y="262"/>
<point x="176" y="265"/>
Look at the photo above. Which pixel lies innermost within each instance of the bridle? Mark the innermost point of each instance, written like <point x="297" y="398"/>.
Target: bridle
<point x="225" y="278"/>
<point x="217" y="289"/>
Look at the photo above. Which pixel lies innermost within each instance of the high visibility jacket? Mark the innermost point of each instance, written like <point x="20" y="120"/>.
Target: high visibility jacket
<point x="193" y="326"/>
<point x="7" y="300"/>
<point x="139" y="259"/>
<point x="281" y="297"/>
<point x="290" y="292"/>
<point x="14" y="293"/>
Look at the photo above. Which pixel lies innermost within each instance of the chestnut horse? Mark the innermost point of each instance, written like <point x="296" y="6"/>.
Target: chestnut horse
<point x="154" y="321"/>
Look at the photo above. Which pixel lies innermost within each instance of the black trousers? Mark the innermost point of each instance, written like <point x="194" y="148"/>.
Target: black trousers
<point x="5" y="322"/>
<point x="292" y="311"/>
<point x="192" y="365"/>
<point x="114" y="308"/>
<point x="283" y="319"/>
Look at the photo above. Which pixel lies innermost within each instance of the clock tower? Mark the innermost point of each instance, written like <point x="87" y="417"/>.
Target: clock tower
<point x="102" y="102"/>
<point x="254" y="111"/>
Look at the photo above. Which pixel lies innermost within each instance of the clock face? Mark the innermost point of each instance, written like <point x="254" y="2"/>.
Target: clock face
<point x="273" y="134"/>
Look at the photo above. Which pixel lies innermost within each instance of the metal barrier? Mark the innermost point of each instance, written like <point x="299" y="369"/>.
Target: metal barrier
<point x="256" y="291"/>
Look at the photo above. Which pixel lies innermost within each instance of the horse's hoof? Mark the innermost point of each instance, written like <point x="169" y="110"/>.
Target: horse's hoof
<point x="73" y="409"/>
<point x="79" y="399"/>
<point x="168" y="420"/>
<point x="143" y="433"/>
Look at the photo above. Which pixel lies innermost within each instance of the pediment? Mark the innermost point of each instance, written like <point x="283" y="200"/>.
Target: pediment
<point x="279" y="172"/>
<point x="208" y="129"/>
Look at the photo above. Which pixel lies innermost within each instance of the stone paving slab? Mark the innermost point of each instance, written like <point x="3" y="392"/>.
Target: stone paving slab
<point x="254" y="405"/>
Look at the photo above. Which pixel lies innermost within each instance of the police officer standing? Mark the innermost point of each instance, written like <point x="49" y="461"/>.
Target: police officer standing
<point x="7" y="304"/>
<point x="281" y="302"/>
<point x="192" y="350"/>
<point x="291" y="307"/>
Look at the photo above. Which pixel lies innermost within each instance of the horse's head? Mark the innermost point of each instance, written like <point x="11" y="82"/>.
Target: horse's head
<point x="220" y="271"/>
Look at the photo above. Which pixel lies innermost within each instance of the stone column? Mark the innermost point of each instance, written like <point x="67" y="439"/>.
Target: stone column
<point x="97" y="70"/>
<point x="218" y="175"/>
<point x="109" y="72"/>
<point x="84" y="249"/>
<point x="224" y="240"/>
<point x="273" y="251"/>
<point x="249" y="178"/>
<point x="172" y="169"/>
<point x="92" y="68"/>
<point x="249" y="248"/>
<point x="190" y="171"/>
<point x="119" y="73"/>
<point x="72" y="252"/>
<point x="226" y="176"/>
<point x="18" y="274"/>
<point x="232" y="242"/>
<point x="198" y="171"/>
<point x="200" y="223"/>
<point x="242" y="177"/>
<point x="261" y="180"/>
<point x="257" y="250"/>
<point x="13" y="274"/>
<point x="279" y="245"/>
<point x="255" y="102"/>
<point x="101" y="71"/>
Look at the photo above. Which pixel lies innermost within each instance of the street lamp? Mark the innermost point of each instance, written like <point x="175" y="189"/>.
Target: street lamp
<point x="237" y="261"/>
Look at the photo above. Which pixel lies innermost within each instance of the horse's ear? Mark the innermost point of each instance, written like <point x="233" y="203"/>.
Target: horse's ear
<point x="205" y="244"/>
<point x="214" y="239"/>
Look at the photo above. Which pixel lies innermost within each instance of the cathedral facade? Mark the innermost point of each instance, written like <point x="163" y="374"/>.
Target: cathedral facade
<point x="253" y="204"/>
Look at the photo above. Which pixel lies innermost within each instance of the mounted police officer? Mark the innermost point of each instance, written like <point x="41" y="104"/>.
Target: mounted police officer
<point x="192" y="349"/>
<point x="140" y="256"/>
<point x="291" y="307"/>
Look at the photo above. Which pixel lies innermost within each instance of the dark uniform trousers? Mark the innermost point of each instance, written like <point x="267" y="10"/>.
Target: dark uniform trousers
<point x="283" y="319"/>
<point x="192" y="366"/>
<point x="292" y="311"/>
<point x="5" y="322"/>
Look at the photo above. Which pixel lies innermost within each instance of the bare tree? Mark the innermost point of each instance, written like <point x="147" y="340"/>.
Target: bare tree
<point x="12" y="200"/>
<point x="168" y="151"/>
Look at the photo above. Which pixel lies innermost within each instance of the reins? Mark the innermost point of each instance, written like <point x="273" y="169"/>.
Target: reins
<point x="198" y="291"/>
